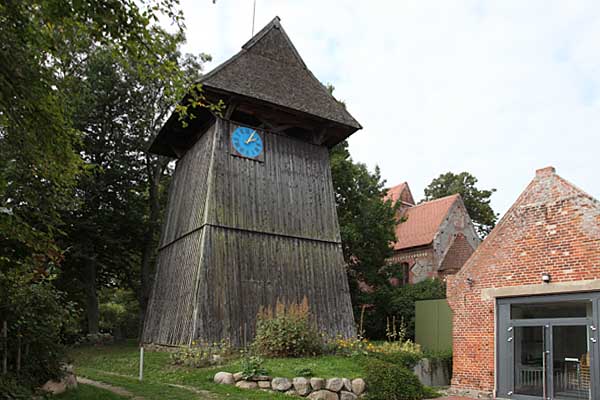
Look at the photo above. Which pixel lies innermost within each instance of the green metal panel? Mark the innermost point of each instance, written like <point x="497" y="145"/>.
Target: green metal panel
<point x="433" y="324"/>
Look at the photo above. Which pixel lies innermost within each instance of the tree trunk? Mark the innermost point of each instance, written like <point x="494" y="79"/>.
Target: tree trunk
<point x="91" y="297"/>
<point x="149" y="246"/>
<point x="18" y="353"/>
<point x="5" y="355"/>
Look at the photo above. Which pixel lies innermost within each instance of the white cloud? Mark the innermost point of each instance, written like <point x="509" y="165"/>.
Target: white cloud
<point x="494" y="88"/>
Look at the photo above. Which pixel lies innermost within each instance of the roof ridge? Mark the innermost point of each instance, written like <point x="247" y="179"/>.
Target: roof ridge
<point x="398" y="185"/>
<point x="275" y="24"/>
<point x="580" y="191"/>
<point x="343" y="115"/>
<point x="437" y="200"/>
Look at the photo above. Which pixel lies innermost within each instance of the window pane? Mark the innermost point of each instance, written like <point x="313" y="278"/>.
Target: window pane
<point x="571" y="362"/>
<point x="563" y="309"/>
<point x="529" y="353"/>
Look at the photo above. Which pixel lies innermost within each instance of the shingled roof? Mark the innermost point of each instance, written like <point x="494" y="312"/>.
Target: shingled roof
<point x="422" y="222"/>
<point x="269" y="70"/>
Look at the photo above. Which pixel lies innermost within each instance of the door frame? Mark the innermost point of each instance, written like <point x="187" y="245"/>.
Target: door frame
<point x="505" y="359"/>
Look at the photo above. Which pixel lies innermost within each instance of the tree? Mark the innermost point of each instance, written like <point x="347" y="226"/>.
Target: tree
<point x="119" y="104"/>
<point x="42" y="43"/>
<point x="367" y="222"/>
<point x="477" y="202"/>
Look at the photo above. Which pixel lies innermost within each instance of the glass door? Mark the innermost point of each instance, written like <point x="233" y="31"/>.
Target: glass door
<point x="571" y="362"/>
<point x="529" y="363"/>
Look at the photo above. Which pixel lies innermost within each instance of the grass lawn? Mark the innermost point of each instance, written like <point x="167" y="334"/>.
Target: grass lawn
<point x="118" y="365"/>
<point x="85" y="392"/>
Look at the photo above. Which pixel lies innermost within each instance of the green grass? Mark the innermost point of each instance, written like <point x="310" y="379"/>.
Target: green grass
<point x="85" y="392"/>
<point x="118" y="365"/>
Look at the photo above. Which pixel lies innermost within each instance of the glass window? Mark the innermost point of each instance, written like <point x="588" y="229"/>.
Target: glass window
<point x="563" y="309"/>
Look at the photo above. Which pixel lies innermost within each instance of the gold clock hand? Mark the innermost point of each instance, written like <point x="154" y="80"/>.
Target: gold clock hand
<point x="250" y="138"/>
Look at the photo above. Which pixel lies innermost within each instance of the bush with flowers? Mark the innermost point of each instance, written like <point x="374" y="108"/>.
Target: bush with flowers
<point x="287" y="331"/>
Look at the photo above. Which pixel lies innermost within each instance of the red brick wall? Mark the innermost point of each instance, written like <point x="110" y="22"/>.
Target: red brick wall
<point x="553" y="227"/>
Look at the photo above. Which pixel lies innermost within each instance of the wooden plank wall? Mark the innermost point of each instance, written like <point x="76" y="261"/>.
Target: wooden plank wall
<point x="261" y="232"/>
<point x="290" y="193"/>
<point x="244" y="270"/>
<point x="188" y="190"/>
<point x="169" y="317"/>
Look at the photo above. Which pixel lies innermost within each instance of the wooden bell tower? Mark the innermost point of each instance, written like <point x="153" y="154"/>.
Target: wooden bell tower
<point x="251" y="217"/>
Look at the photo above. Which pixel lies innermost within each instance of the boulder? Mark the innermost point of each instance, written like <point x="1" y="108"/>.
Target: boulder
<point x="334" y="384"/>
<point x="347" y="384"/>
<point x="302" y="386"/>
<point x="224" y="378"/>
<point x="238" y="376"/>
<point x="264" y="384"/>
<point x="257" y="378"/>
<point x="317" y="383"/>
<point x="281" y="384"/>
<point x="55" y="387"/>
<point x="70" y="380"/>
<point x="246" y="385"/>
<point x="358" y="386"/>
<point x="323" y="395"/>
<point x="345" y="395"/>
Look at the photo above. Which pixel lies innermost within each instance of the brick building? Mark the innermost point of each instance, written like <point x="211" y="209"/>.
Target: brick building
<point x="434" y="239"/>
<point x="526" y="304"/>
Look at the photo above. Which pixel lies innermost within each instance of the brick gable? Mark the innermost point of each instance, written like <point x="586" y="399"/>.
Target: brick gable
<point x="459" y="252"/>
<point x="554" y="228"/>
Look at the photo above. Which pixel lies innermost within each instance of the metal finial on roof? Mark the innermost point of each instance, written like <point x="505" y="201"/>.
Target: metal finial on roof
<point x="253" y="16"/>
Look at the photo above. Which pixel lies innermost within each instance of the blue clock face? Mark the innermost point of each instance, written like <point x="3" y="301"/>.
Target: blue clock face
<point x="247" y="142"/>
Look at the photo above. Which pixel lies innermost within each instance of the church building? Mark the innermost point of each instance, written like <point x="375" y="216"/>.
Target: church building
<point x="433" y="239"/>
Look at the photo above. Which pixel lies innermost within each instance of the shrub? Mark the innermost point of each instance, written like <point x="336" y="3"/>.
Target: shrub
<point x="389" y="381"/>
<point x="350" y="347"/>
<point x="286" y="331"/>
<point x="405" y="353"/>
<point x="398" y="302"/>
<point x="404" y="359"/>
<point x="11" y="389"/>
<point x="119" y="313"/>
<point x="202" y="354"/>
<point x="36" y="315"/>
<point x="252" y="366"/>
<point x="96" y="339"/>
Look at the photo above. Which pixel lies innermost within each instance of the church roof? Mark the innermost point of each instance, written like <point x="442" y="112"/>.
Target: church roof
<point x="422" y="222"/>
<point x="270" y="68"/>
<point x="400" y="192"/>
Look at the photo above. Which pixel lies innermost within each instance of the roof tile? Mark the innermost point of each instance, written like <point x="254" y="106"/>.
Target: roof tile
<point x="422" y="222"/>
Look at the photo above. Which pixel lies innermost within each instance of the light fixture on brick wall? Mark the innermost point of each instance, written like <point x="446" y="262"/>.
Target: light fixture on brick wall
<point x="546" y="277"/>
<point x="470" y="281"/>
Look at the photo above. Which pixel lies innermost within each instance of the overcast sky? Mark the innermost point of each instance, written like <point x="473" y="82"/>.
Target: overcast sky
<point x="496" y="88"/>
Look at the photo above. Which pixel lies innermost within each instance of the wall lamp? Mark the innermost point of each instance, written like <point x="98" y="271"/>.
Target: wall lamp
<point x="546" y="277"/>
<point x="470" y="281"/>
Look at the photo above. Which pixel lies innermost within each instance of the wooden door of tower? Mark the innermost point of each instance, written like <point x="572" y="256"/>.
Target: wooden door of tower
<point x="547" y="347"/>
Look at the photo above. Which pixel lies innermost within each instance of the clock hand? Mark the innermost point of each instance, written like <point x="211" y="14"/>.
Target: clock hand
<point x="250" y="138"/>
